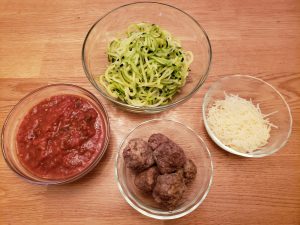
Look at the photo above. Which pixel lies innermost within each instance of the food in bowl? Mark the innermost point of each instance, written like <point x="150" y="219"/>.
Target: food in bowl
<point x="168" y="156"/>
<point x="138" y="155"/>
<point x="189" y="171"/>
<point x="147" y="67"/>
<point x="194" y="148"/>
<point x="169" y="190"/>
<point x="146" y="179"/>
<point x="180" y="24"/>
<point x="270" y="101"/>
<point x="55" y="135"/>
<point x="60" y="137"/>
<point x="160" y="168"/>
<point x="239" y="124"/>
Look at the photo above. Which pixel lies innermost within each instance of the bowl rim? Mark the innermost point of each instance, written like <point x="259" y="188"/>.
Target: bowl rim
<point x="147" y="108"/>
<point x="190" y="208"/>
<point x="231" y="150"/>
<point x="84" y="172"/>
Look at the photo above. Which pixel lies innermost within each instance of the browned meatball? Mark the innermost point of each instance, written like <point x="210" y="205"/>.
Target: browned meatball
<point x="156" y="140"/>
<point x="169" y="157"/>
<point x="138" y="155"/>
<point x="146" y="180"/>
<point x="169" y="190"/>
<point x="189" y="171"/>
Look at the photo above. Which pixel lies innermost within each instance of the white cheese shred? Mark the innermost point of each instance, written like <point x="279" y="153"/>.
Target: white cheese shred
<point x="239" y="124"/>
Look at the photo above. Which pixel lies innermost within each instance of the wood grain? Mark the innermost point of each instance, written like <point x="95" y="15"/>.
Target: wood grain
<point x="40" y="43"/>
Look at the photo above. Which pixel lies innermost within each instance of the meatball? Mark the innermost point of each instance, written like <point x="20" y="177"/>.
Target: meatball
<point x="138" y="155"/>
<point x="146" y="180"/>
<point x="169" y="157"/>
<point x="156" y="140"/>
<point x="169" y="190"/>
<point x="189" y="171"/>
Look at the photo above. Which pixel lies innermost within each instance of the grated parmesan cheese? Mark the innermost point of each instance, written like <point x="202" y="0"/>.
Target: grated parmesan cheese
<point x="239" y="124"/>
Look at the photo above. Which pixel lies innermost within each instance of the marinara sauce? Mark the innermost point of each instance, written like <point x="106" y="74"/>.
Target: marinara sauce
<point x="60" y="137"/>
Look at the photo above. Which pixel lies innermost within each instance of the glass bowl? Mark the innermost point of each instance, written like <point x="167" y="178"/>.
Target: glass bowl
<point x="194" y="148"/>
<point x="180" y="24"/>
<point x="269" y="100"/>
<point x="16" y="115"/>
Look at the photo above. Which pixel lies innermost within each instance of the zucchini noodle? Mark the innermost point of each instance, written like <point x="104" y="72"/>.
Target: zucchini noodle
<point x="147" y="67"/>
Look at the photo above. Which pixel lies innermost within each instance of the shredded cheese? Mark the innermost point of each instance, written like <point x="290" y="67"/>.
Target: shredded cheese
<point x="239" y="124"/>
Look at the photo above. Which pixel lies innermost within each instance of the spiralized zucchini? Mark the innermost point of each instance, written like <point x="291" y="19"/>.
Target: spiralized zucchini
<point x="147" y="67"/>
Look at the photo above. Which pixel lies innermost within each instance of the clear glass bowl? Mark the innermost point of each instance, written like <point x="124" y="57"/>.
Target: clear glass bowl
<point x="180" y="24"/>
<point x="16" y="115"/>
<point x="194" y="148"/>
<point x="269" y="100"/>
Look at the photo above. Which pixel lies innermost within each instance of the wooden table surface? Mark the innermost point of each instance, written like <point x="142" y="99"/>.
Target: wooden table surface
<point x="40" y="43"/>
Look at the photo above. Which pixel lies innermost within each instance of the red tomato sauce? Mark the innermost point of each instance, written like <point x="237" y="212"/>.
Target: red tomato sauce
<point x="60" y="137"/>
